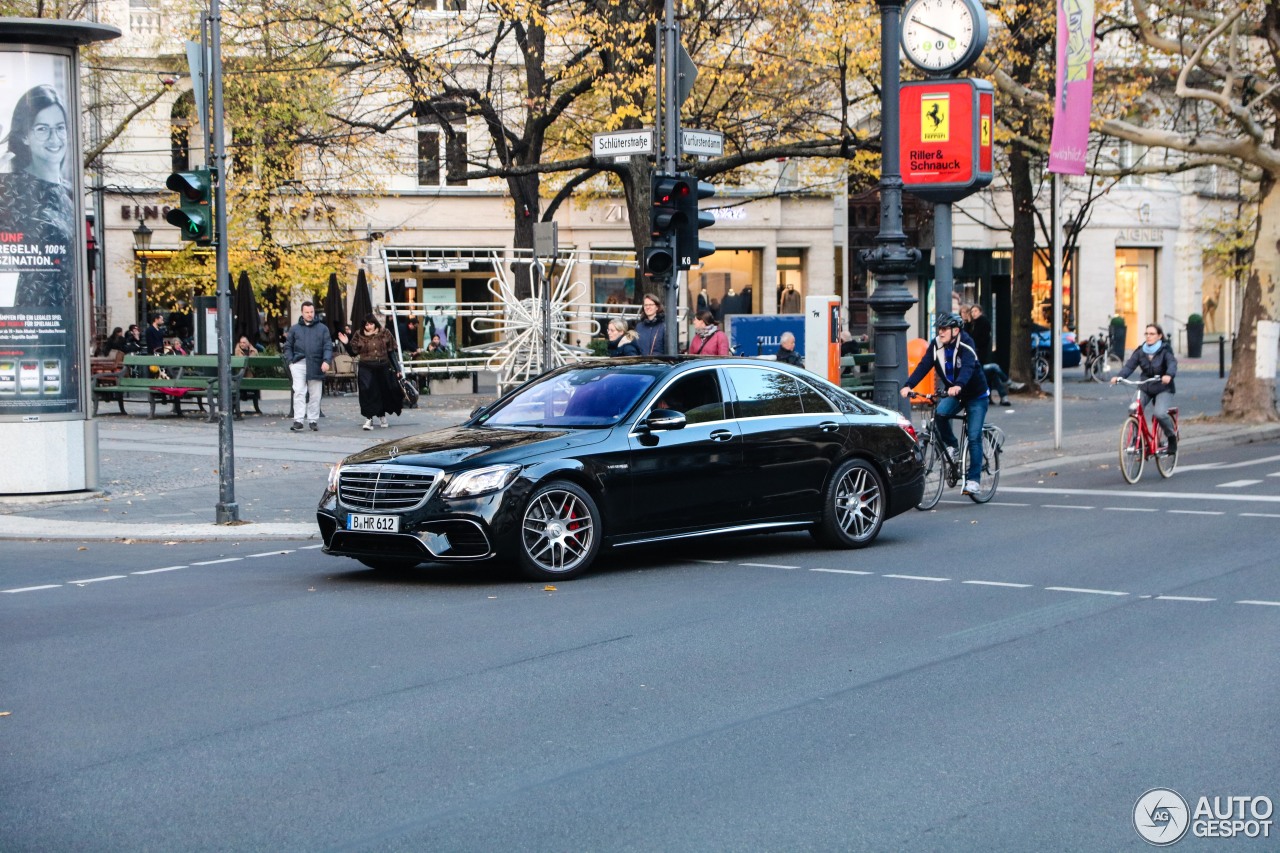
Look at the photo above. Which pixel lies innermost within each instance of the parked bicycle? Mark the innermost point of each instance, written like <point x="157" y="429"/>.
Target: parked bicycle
<point x="940" y="470"/>
<point x="1141" y="438"/>
<point x="1099" y="360"/>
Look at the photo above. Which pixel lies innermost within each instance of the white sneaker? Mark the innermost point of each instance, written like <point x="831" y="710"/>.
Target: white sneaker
<point x="382" y="422"/>
<point x="971" y="487"/>
<point x="953" y="455"/>
<point x="368" y="423"/>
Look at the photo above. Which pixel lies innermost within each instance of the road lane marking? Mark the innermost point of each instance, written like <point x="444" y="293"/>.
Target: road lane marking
<point x="1238" y="484"/>
<point x="1065" y="506"/>
<point x="916" y="578"/>
<point x="34" y="588"/>
<point x="1000" y="583"/>
<point x="712" y="562"/>
<point x="216" y="562"/>
<point x="1115" y="493"/>
<point x="269" y="554"/>
<point x="1195" y="512"/>
<point x="1006" y="503"/>
<point x="1224" y="465"/>
<point x="842" y="571"/>
<point x="1261" y="514"/>
<point x="1183" y="598"/>
<point x="96" y="580"/>
<point x="310" y="547"/>
<point x="767" y="566"/>
<point x="1087" y="591"/>
<point x="1131" y="509"/>
<point x="157" y="571"/>
<point x="1263" y="603"/>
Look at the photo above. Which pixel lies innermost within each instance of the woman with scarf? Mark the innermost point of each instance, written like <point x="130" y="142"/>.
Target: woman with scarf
<point x="1156" y="360"/>
<point x="622" y="341"/>
<point x="707" y="337"/>
<point x="378" y="376"/>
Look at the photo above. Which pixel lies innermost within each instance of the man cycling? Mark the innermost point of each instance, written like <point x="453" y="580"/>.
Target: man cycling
<point x="1156" y="360"/>
<point x="955" y="362"/>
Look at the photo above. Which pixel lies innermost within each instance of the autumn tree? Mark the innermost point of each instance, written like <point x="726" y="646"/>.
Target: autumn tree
<point x="1224" y="58"/>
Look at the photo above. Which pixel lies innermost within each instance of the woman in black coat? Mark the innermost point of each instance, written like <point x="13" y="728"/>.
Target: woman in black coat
<point x="1158" y="364"/>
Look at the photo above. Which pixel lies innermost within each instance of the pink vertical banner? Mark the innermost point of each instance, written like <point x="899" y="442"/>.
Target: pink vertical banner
<point x="1070" y="141"/>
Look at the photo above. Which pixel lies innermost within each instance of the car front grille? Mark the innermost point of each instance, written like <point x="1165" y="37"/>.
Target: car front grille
<point x="385" y="488"/>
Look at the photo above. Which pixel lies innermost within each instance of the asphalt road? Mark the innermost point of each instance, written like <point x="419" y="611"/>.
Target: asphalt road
<point x="1002" y="677"/>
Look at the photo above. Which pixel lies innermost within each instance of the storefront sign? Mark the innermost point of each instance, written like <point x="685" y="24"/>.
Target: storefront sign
<point x="945" y="145"/>
<point x="1140" y="235"/>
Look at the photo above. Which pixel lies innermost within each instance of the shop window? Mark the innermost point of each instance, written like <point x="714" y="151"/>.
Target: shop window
<point x="790" y="281"/>
<point x="727" y="283"/>
<point x="1042" y="290"/>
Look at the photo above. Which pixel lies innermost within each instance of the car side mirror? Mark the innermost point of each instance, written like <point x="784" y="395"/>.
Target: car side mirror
<point x="477" y="410"/>
<point x="661" y="420"/>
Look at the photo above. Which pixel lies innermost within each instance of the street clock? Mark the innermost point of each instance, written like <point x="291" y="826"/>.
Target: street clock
<point x="943" y="37"/>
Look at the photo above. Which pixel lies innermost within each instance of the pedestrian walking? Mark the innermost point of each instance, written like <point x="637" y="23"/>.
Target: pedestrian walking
<point x="707" y="337"/>
<point x="309" y="353"/>
<point x="651" y="330"/>
<point x="622" y="341"/>
<point x="378" y="376"/>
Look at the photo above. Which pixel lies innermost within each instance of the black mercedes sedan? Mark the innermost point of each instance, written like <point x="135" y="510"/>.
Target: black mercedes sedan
<point x="631" y="451"/>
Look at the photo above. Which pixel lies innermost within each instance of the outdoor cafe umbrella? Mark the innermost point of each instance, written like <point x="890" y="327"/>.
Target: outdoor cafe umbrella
<point x="362" y="303"/>
<point x="244" y="311"/>
<point x="335" y="308"/>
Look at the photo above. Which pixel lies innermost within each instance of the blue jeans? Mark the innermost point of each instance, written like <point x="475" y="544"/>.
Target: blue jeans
<point x="997" y="380"/>
<point x="949" y="408"/>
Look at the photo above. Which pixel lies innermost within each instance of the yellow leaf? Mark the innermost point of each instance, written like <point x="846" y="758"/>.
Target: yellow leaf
<point x="548" y="588"/>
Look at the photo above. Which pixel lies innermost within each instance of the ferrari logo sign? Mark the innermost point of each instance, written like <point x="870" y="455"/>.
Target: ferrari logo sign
<point x="984" y="140"/>
<point x="935" y="118"/>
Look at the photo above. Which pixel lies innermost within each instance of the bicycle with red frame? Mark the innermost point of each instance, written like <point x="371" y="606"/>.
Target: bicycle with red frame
<point x="1141" y="438"/>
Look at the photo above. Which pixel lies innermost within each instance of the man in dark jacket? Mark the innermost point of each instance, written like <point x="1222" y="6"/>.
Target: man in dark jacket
<point x="1158" y="364"/>
<point x="155" y="334"/>
<point x="960" y="377"/>
<point x="308" y="351"/>
<point x="787" y="350"/>
<point x="979" y="328"/>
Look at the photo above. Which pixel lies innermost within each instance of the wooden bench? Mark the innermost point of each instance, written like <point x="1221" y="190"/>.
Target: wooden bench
<point x="860" y="378"/>
<point x="175" y="378"/>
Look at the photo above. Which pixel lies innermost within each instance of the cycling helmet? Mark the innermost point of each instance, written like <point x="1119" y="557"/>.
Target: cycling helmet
<point x="948" y="321"/>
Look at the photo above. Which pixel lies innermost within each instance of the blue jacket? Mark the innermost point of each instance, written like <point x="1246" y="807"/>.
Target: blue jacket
<point x="309" y="341"/>
<point x="954" y="365"/>
<point x="651" y="335"/>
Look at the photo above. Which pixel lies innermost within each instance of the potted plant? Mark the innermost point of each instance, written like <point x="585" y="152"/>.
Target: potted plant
<point x="1195" y="336"/>
<point x="1118" y="335"/>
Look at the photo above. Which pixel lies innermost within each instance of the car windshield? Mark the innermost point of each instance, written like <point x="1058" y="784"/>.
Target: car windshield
<point x="581" y="397"/>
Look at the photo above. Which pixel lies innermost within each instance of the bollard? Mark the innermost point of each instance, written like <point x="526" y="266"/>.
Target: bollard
<point x="1222" y="356"/>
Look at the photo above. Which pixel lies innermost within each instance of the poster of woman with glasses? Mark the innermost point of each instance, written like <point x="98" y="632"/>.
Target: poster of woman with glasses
<point x="39" y="274"/>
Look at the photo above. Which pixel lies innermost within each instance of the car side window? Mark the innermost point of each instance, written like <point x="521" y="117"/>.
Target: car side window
<point x="812" y="401"/>
<point x="697" y="396"/>
<point x="762" y="392"/>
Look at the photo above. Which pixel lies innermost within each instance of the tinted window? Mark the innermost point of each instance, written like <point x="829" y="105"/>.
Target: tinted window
<point x="762" y="392"/>
<point x="584" y="397"/>
<point x="812" y="400"/>
<point x="697" y="396"/>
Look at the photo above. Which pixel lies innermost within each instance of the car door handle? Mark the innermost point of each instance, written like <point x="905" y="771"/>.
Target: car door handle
<point x="721" y="435"/>
<point x="828" y="426"/>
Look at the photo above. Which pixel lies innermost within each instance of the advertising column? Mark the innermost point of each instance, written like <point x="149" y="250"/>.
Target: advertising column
<point x="44" y="310"/>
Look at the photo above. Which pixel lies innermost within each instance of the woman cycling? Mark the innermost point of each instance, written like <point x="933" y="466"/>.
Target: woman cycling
<point x="1156" y="361"/>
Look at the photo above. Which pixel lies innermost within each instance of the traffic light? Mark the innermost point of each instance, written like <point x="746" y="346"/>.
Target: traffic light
<point x="660" y="256"/>
<point x="194" y="214"/>
<point x="690" y="221"/>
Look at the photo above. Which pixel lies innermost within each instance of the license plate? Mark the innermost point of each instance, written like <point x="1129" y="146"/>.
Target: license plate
<point x="374" y="523"/>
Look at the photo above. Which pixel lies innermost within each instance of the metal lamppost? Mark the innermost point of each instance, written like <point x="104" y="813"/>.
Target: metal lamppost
<point x="891" y="261"/>
<point x="141" y="246"/>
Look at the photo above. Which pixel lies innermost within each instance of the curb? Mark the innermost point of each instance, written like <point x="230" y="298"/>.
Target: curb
<point x="1232" y="437"/>
<point x="20" y="528"/>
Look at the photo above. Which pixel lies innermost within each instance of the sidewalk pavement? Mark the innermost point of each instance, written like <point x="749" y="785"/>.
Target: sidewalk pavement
<point x="159" y="478"/>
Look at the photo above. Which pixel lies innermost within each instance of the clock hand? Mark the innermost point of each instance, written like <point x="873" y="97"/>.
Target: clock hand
<point x="916" y="20"/>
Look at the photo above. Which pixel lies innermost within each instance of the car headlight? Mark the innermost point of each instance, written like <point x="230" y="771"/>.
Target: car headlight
<point x="481" y="480"/>
<point x="333" y="477"/>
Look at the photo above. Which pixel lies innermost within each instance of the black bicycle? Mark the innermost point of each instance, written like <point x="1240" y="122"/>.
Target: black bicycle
<point x="1099" y="360"/>
<point x="942" y="471"/>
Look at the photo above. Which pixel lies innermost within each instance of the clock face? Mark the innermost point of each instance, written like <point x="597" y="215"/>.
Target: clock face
<point x="943" y="35"/>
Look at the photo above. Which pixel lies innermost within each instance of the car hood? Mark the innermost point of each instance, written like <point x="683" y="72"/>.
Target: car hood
<point x="475" y="446"/>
